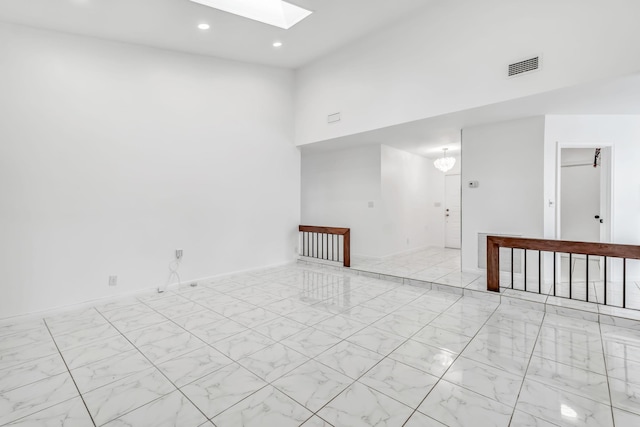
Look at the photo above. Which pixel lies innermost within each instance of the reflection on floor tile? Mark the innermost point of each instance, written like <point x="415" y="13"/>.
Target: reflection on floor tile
<point x="432" y="360"/>
<point x="560" y="407"/>
<point x="314" y="346"/>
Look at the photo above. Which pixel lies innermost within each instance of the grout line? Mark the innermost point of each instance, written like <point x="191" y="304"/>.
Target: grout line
<point x="159" y="370"/>
<point x="606" y="372"/>
<point x="524" y="377"/>
<point x="69" y="371"/>
<point x="454" y="361"/>
<point x="340" y="282"/>
<point x="387" y="356"/>
<point x="268" y="383"/>
<point x="380" y="361"/>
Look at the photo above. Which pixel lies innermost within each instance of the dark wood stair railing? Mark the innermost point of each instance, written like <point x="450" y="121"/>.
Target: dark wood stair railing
<point x="320" y="243"/>
<point x="606" y="250"/>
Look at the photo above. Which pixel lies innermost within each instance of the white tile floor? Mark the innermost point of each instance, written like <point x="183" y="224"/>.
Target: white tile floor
<point x="312" y="346"/>
<point x="442" y="266"/>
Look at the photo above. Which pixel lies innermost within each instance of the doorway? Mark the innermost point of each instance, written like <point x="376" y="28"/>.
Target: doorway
<point x="580" y="194"/>
<point x="584" y="194"/>
<point x="452" y="195"/>
<point x="584" y="207"/>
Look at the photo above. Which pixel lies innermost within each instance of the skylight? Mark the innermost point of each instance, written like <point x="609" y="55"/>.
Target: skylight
<point x="273" y="12"/>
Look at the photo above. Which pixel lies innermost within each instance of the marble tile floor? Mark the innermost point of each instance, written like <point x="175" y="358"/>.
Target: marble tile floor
<point x="441" y="265"/>
<point x="315" y="346"/>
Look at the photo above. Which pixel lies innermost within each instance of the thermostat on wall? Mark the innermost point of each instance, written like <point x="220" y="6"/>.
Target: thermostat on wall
<point x="473" y="184"/>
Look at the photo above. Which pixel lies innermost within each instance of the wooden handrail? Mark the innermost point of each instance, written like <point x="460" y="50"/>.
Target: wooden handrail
<point x="494" y="243"/>
<point x="345" y="232"/>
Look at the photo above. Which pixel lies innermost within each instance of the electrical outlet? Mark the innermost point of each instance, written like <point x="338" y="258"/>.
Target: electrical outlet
<point x="113" y="280"/>
<point x="178" y="253"/>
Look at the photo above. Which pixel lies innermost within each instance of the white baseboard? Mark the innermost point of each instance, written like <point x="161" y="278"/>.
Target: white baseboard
<point x="103" y="300"/>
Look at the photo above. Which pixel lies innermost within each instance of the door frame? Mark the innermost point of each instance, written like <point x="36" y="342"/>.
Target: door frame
<point x="445" y="207"/>
<point x="606" y="187"/>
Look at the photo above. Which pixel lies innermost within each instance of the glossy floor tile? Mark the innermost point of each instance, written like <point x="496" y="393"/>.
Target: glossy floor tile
<point x="310" y="345"/>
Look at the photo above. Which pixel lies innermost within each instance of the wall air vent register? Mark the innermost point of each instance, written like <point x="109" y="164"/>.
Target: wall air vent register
<point x="526" y="66"/>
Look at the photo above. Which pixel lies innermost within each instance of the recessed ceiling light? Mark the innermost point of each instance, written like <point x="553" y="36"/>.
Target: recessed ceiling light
<point x="277" y="44"/>
<point x="204" y="26"/>
<point x="273" y="12"/>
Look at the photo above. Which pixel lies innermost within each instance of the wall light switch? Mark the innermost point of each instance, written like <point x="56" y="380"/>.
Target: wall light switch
<point x="371" y="204"/>
<point x="473" y="184"/>
<point x="113" y="280"/>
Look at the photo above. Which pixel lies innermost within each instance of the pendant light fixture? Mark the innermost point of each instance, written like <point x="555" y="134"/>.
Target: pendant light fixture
<point x="444" y="164"/>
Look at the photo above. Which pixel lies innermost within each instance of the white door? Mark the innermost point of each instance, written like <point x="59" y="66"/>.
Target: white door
<point x="452" y="211"/>
<point x="580" y="196"/>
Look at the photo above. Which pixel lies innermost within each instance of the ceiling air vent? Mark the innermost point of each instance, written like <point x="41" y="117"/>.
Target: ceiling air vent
<point x="525" y="66"/>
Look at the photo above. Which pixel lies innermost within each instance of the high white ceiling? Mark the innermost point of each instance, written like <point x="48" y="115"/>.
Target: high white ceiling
<point x="427" y="137"/>
<point x="172" y="24"/>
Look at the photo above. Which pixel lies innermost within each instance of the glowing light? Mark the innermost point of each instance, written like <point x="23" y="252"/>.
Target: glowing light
<point x="444" y="163"/>
<point x="273" y="12"/>
<point x="568" y="412"/>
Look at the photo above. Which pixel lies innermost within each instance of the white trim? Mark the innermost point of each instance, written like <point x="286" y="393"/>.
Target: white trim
<point x="103" y="300"/>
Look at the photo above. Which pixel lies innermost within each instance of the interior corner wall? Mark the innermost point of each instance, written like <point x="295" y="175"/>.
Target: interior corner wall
<point x="337" y="187"/>
<point x="622" y="133"/>
<point x="453" y="56"/>
<point x="507" y="160"/>
<point x="113" y="155"/>
<point x="436" y="203"/>
<point x="405" y="193"/>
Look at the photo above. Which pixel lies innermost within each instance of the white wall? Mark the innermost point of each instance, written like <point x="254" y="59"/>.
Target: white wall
<point x="336" y="189"/>
<point x="405" y="180"/>
<point x="454" y="56"/>
<point x="113" y="155"/>
<point x="507" y="160"/>
<point x="436" y="202"/>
